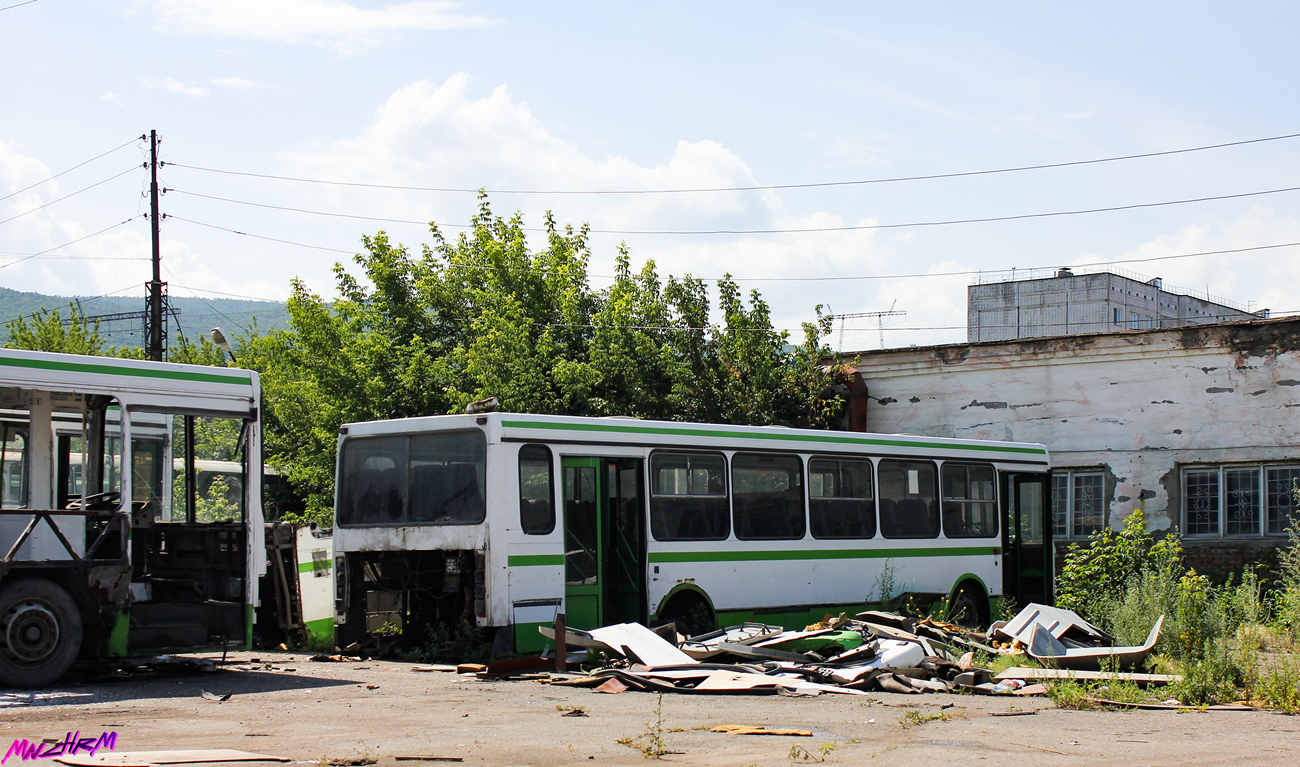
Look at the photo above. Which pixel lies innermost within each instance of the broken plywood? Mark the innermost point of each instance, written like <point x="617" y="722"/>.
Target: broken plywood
<point x="1023" y="672"/>
<point x="648" y="647"/>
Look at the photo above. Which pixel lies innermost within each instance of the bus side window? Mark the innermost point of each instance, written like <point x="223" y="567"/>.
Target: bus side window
<point x="767" y="496"/>
<point x="13" y="451"/>
<point x="969" y="506"/>
<point x="536" y="490"/>
<point x="688" y="497"/>
<point x="841" y="495"/>
<point x="908" y="507"/>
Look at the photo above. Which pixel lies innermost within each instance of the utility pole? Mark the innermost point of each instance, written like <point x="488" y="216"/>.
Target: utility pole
<point x="155" y="319"/>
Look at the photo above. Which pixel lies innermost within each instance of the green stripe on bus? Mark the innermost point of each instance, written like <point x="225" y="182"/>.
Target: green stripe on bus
<point x="763" y="556"/>
<point x="534" y="560"/>
<point x="315" y="564"/>
<point x="767" y="434"/>
<point x="84" y="367"/>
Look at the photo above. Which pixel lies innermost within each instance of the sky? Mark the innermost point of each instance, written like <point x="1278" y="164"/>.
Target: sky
<point x="599" y="97"/>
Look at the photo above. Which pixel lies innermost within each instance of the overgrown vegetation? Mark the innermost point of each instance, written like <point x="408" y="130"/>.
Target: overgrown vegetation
<point x="1233" y="641"/>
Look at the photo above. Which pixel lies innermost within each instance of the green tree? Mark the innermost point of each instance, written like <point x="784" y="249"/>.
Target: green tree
<point x="47" y="331"/>
<point x="484" y="315"/>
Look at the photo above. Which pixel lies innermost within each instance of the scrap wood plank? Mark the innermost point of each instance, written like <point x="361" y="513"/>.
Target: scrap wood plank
<point x="1173" y="706"/>
<point x="1023" y="672"/>
<point x="648" y="647"/>
<point x="148" y="758"/>
<point x="728" y="681"/>
<point x="748" y="729"/>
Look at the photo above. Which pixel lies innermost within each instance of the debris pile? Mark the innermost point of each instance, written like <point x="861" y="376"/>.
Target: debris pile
<point x="873" y="651"/>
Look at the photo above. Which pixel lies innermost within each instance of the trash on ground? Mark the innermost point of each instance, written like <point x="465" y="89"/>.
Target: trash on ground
<point x="206" y="695"/>
<point x="1061" y="639"/>
<point x="873" y="651"/>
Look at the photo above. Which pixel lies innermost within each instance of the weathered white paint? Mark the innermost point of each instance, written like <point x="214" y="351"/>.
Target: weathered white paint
<point x="1141" y="403"/>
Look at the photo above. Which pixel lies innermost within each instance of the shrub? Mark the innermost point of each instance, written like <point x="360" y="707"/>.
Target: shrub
<point x="1094" y="579"/>
<point x="1287" y="597"/>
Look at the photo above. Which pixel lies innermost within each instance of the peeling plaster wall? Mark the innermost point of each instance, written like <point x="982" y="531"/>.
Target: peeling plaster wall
<point x="1140" y="404"/>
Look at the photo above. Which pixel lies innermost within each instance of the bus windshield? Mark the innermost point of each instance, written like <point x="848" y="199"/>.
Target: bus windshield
<point x="420" y="479"/>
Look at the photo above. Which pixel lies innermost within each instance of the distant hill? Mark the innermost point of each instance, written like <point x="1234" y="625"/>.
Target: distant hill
<point x="197" y="315"/>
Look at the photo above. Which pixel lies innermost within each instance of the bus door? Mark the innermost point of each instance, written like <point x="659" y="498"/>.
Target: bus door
<point x="604" y="548"/>
<point x="1027" y="543"/>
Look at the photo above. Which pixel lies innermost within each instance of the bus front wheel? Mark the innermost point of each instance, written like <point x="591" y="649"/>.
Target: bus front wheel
<point x="40" y="632"/>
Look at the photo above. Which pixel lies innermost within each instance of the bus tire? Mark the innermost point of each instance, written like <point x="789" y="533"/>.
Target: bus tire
<point x="691" y="612"/>
<point x="40" y="632"/>
<point x="969" y="607"/>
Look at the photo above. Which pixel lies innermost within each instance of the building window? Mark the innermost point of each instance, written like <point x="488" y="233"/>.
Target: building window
<point x="1282" y="482"/>
<point x="1119" y="316"/>
<point x="1133" y="321"/>
<point x="1078" y="503"/>
<point x="1239" y="500"/>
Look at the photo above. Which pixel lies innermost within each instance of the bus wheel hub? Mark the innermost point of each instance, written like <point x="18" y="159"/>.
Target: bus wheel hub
<point x="30" y="634"/>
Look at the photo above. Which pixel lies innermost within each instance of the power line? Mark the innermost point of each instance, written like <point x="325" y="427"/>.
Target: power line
<point x="204" y="300"/>
<point x="755" y="188"/>
<point x="66" y="196"/>
<point x="260" y="237"/>
<point x="69" y="170"/>
<point x="860" y="227"/>
<point x="229" y="295"/>
<point x="70" y="257"/>
<point x="17" y="5"/>
<point x="964" y="272"/>
<point x="66" y="244"/>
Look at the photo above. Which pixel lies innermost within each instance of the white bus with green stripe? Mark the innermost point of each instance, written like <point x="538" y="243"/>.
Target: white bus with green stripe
<point x="112" y="544"/>
<point x="505" y="520"/>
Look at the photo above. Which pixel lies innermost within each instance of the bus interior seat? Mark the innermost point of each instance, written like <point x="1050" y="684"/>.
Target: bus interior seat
<point x="913" y="517"/>
<point x="954" y="523"/>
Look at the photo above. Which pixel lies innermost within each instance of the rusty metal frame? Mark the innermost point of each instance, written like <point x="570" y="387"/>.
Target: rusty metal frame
<point x="116" y="519"/>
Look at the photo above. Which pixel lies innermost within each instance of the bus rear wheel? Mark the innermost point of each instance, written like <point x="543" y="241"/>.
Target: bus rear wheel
<point x="969" y="608"/>
<point x="690" y="612"/>
<point x="40" y="632"/>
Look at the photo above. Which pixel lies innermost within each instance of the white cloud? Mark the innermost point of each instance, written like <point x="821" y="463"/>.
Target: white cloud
<point x="320" y="21"/>
<point x="112" y="98"/>
<point x="175" y="86"/>
<point x="236" y="83"/>
<point x="437" y="135"/>
<point x="1256" y="279"/>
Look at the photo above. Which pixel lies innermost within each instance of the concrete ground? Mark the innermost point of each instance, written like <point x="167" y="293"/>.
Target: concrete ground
<point x="381" y="710"/>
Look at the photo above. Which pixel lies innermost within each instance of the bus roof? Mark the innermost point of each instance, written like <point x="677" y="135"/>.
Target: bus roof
<point x="135" y="383"/>
<point x="558" y="428"/>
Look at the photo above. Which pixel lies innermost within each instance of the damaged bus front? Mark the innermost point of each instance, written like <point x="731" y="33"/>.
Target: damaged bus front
<point x="410" y="533"/>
